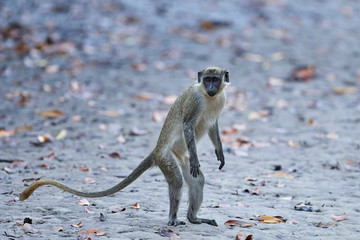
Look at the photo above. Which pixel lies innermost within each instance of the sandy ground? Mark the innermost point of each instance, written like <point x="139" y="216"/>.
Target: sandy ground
<point x="93" y="61"/>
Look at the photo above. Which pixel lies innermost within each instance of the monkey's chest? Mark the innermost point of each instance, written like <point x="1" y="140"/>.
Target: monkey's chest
<point x="206" y="119"/>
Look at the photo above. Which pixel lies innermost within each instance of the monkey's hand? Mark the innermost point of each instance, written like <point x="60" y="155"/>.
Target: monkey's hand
<point x="220" y="157"/>
<point x="194" y="168"/>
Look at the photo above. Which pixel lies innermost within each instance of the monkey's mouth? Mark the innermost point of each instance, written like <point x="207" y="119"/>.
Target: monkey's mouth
<point x="211" y="93"/>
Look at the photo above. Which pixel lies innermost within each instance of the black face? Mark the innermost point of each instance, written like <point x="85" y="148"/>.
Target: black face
<point x="212" y="84"/>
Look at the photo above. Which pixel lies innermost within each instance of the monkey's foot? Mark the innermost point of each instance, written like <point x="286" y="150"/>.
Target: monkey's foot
<point x="202" y="220"/>
<point x="176" y="222"/>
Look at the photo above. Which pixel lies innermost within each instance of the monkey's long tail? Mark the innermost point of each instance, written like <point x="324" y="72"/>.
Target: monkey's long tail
<point x="140" y="169"/>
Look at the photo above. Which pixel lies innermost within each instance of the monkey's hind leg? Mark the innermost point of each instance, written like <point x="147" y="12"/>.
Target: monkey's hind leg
<point x="196" y="186"/>
<point x="174" y="179"/>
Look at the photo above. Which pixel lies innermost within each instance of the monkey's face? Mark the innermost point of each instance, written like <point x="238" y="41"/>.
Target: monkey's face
<point x="212" y="84"/>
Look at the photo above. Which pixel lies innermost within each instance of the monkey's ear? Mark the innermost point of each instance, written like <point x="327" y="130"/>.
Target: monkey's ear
<point x="199" y="76"/>
<point x="226" y="76"/>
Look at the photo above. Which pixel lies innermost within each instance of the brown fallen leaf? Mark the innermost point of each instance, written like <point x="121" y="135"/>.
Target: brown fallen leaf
<point x="89" y="180"/>
<point x="53" y="113"/>
<point x="165" y="232"/>
<point x="118" y="210"/>
<point x="338" y="218"/>
<point x="139" y="66"/>
<point x="269" y="219"/>
<point x="114" y="155"/>
<point x="29" y="229"/>
<point x="78" y="225"/>
<point x="83" y="202"/>
<point x="325" y="225"/>
<point x="92" y="231"/>
<point x="58" y="229"/>
<point x="242" y="236"/>
<point x="256" y="191"/>
<point x="241" y="223"/>
<point x="145" y="96"/>
<point x="136" y="206"/>
<point x="30" y="179"/>
<point x="84" y="169"/>
<point x="112" y="113"/>
<point x="87" y="209"/>
<point x="303" y="73"/>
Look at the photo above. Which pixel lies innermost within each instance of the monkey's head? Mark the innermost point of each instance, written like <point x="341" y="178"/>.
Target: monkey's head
<point x="213" y="80"/>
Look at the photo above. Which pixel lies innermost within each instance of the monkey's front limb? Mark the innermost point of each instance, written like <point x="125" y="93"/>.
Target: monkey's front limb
<point x="216" y="140"/>
<point x="189" y="134"/>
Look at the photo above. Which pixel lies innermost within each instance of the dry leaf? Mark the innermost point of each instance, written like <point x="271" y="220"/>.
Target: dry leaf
<point x="338" y="218"/>
<point x="281" y="174"/>
<point x="241" y="236"/>
<point x="89" y="180"/>
<point x="92" y="231"/>
<point x="145" y="96"/>
<point x="168" y="233"/>
<point x="344" y="90"/>
<point x="112" y="113"/>
<point x="8" y="170"/>
<point x="83" y="202"/>
<point x="139" y="66"/>
<point x="78" y="225"/>
<point x="256" y="191"/>
<point x="114" y="155"/>
<point x="269" y="219"/>
<point x="87" y="209"/>
<point x="137" y="132"/>
<point x="229" y="131"/>
<point x="136" y="206"/>
<point x="61" y="134"/>
<point x="84" y="169"/>
<point x="58" y="229"/>
<point x="240" y="223"/>
<point x="303" y="73"/>
<point x="6" y="133"/>
<point x="291" y="143"/>
<point x="76" y="118"/>
<point x="53" y="113"/>
<point x="52" y="69"/>
<point x="29" y="229"/>
<point x="325" y="225"/>
<point x="250" y="179"/>
<point x="118" y="210"/>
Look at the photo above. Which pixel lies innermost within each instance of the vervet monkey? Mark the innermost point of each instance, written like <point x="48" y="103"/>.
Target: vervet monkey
<point x="194" y="113"/>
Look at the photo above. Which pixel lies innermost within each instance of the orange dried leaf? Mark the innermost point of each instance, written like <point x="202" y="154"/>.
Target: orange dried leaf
<point x="136" y="206"/>
<point x="83" y="202"/>
<point x="78" y="225"/>
<point x="76" y="118"/>
<point x="269" y="219"/>
<point x="158" y="116"/>
<point x="344" y="90"/>
<point x="338" y="218"/>
<point x="84" y="169"/>
<point x="240" y="223"/>
<point x="53" y="113"/>
<point x="5" y="133"/>
<point x="92" y="231"/>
